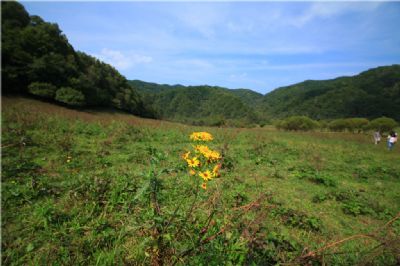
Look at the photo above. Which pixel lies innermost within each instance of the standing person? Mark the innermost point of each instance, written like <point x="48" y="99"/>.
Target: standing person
<point x="392" y="139"/>
<point x="377" y="137"/>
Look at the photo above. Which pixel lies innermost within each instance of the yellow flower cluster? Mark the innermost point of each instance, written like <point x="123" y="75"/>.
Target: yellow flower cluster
<point x="201" y="136"/>
<point x="204" y="162"/>
<point x="210" y="155"/>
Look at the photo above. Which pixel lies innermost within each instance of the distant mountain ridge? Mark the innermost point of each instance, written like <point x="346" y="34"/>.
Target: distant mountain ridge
<point x="372" y="93"/>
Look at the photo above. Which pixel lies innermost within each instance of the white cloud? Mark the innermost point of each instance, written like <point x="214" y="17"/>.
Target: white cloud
<point x="331" y="9"/>
<point x="201" y="17"/>
<point x="122" y="60"/>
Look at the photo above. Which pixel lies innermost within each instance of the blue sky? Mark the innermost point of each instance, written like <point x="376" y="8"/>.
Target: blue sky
<point x="254" y="45"/>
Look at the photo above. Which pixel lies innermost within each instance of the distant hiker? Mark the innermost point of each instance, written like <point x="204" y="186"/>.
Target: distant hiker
<point x="377" y="137"/>
<point x="391" y="140"/>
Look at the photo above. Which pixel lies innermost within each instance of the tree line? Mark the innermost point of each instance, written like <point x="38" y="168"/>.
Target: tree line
<point x="356" y="125"/>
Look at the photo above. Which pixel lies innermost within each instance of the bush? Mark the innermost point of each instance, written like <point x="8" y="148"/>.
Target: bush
<point x="350" y="124"/>
<point x="357" y="124"/>
<point x="383" y="124"/>
<point x="297" y="123"/>
<point x="338" y="125"/>
<point x="70" y="96"/>
<point x="323" y="124"/>
<point x="42" y="89"/>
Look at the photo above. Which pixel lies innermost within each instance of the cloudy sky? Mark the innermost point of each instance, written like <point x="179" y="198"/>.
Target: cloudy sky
<point x="254" y="45"/>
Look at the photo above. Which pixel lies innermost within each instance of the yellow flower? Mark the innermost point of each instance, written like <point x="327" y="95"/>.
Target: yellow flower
<point x="206" y="175"/>
<point x="192" y="172"/>
<point x="203" y="149"/>
<point x="185" y="156"/>
<point x="204" y="186"/>
<point x="213" y="156"/>
<point x="201" y="136"/>
<point x="215" y="170"/>
<point x="194" y="162"/>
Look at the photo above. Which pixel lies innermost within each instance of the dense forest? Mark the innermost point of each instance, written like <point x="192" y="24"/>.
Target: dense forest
<point x="38" y="60"/>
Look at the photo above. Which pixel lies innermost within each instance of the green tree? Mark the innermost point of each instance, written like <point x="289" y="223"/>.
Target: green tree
<point x="338" y="125"/>
<point x="42" y="89"/>
<point x="356" y="124"/>
<point x="70" y="96"/>
<point x="383" y="124"/>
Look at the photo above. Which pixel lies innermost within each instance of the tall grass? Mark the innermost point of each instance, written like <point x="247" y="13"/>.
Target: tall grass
<point x="104" y="188"/>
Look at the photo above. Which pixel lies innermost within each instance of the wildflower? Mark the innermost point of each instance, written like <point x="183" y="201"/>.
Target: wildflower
<point x="213" y="156"/>
<point x="203" y="149"/>
<point x="68" y="160"/>
<point x="194" y="162"/>
<point x="185" y="156"/>
<point x="215" y="171"/>
<point x="201" y="136"/>
<point x="204" y="186"/>
<point x="192" y="172"/>
<point x="206" y="175"/>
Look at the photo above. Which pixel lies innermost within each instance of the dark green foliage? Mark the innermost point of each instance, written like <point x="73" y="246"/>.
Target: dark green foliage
<point x="320" y="198"/>
<point x="298" y="219"/>
<point x="323" y="180"/>
<point x="70" y="96"/>
<point x="14" y="14"/>
<point x="383" y="124"/>
<point x="36" y="52"/>
<point x="42" y="89"/>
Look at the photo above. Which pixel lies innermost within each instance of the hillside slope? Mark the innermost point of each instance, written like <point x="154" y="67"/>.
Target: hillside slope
<point x="202" y="105"/>
<point x="37" y="59"/>
<point x="371" y="94"/>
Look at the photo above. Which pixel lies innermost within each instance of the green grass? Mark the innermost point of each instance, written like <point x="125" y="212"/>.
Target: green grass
<point x="104" y="188"/>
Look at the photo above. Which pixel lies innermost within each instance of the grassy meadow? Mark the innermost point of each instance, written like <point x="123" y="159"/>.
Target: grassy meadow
<point x="91" y="187"/>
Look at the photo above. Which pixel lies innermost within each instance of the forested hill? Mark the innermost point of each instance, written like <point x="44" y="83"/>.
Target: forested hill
<point x="371" y="94"/>
<point x="37" y="59"/>
<point x="200" y="105"/>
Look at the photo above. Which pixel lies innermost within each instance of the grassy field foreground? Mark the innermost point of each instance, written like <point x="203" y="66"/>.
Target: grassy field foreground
<point x="103" y="188"/>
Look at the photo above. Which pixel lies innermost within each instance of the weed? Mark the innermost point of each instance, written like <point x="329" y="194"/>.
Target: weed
<point x="297" y="219"/>
<point x="323" y="180"/>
